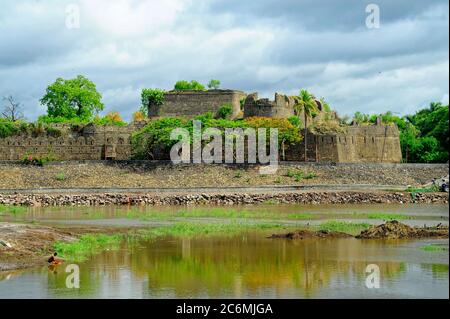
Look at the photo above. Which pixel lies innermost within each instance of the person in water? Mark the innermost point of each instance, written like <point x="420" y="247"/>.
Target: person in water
<point x="53" y="260"/>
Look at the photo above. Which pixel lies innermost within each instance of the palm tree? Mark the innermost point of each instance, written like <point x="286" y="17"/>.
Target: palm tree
<point x="305" y="102"/>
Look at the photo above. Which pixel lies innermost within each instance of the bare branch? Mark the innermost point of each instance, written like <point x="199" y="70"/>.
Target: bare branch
<point x="12" y="110"/>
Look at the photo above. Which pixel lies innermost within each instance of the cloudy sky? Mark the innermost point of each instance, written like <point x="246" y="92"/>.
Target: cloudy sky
<point x="263" y="46"/>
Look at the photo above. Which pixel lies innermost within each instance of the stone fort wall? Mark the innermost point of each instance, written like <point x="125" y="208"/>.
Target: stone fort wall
<point x="91" y="143"/>
<point x="360" y="144"/>
<point x="192" y="103"/>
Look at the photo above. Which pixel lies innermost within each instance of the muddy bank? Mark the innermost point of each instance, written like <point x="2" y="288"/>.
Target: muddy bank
<point x="389" y="230"/>
<point x="304" y="234"/>
<point x="397" y="230"/>
<point x="299" y="197"/>
<point x="25" y="245"/>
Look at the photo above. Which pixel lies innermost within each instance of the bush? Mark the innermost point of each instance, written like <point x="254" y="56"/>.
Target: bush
<point x="139" y="116"/>
<point x="151" y="97"/>
<point x="8" y="128"/>
<point x="157" y="132"/>
<point x="185" y="86"/>
<point x="38" y="161"/>
<point x="225" y="111"/>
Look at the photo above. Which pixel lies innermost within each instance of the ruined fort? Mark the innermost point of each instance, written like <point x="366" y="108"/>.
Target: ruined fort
<point x="377" y="143"/>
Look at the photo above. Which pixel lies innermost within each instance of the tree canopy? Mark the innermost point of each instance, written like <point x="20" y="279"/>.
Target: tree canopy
<point x="72" y="98"/>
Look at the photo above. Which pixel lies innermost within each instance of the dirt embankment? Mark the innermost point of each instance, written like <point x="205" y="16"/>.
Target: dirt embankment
<point x="397" y="230"/>
<point x="24" y="245"/>
<point x="304" y="234"/>
<point x="151" y="175"/>
<point x="389" y="230"/>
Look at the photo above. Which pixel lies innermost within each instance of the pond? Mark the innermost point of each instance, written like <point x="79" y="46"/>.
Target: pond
<point x="243" y="265"/>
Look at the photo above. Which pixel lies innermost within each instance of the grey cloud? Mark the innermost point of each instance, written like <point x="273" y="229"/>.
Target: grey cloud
<point x="263" y="46"/>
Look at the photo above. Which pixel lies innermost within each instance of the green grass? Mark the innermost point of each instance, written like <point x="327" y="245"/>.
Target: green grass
<point x="214" y="213"/>
<point x="298" y="175"/>
<point x="60" y="177"/>
<point x="433" y="248"/>
<point x="12" y="210"/>
<point x="345" y="227"/>
<point x="431" y="189"/>
<point x="87" y="245"/>
<point x="300" y="216"/>
<point x="387" y="216"/>
<point x="195" y="229"/>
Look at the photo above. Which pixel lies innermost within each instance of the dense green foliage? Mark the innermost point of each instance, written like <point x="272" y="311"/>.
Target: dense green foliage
<point x="225" y="111"/>
<point x="151" y="97"/>
<point x="73" y="98"/>
<point x="423" y="136"/>
<point x="186" y="85"/>
<point x="157" y="132"/>
<point x="213" y="84"/>
<point x="8" y="128"/>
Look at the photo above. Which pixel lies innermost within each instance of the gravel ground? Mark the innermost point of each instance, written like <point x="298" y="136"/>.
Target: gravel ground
<point x="128" y="175"/>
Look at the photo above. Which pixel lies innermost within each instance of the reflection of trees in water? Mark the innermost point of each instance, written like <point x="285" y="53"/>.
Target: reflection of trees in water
<point x="438" y="270"/>
<point x="249" y="265"/>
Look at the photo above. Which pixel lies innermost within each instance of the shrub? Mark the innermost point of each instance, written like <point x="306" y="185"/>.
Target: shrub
<point x="138" y="116"/>
<point x="225" y="111"/>
<point x="35" y="160"/>
<point x="185" y="86"/>
<point x="151" y="97"/>
<point x="8" y="128"/>
<point x="157" y="132"/>
<point x="60" y="177"/>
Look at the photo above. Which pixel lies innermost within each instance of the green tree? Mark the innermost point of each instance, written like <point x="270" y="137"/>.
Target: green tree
<point x="305" y="103"/>
<point x="213" y="84"/>
<point x="73" y="98"/>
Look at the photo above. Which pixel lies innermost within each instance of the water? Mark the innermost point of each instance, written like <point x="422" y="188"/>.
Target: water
<point x="247" y="265"/>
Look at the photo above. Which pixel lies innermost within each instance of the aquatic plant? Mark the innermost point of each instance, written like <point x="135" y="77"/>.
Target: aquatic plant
<point x="433" y="248"/>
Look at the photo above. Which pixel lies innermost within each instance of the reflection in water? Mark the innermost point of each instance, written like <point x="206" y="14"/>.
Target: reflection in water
<point x="248" y="265"/>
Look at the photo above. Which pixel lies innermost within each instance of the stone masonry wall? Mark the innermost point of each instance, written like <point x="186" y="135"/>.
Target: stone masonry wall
<point x="281" y="107"/>
<point x="192" y="103"/>
<point x="91" y="143"/>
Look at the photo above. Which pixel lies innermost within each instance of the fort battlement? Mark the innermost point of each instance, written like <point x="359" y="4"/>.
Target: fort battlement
<point x="281" y="107"/>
